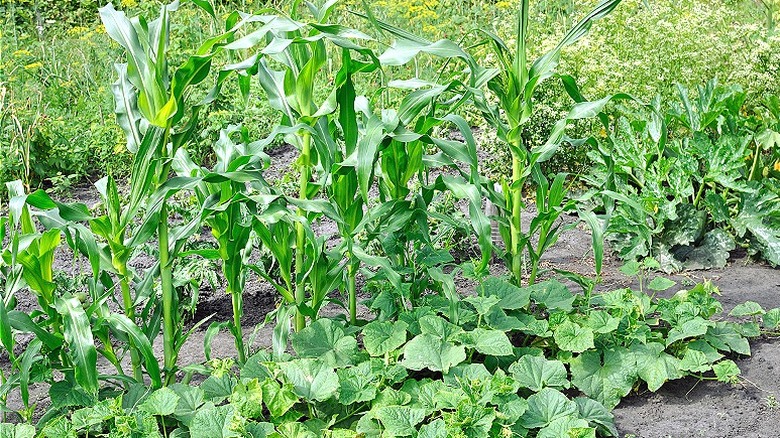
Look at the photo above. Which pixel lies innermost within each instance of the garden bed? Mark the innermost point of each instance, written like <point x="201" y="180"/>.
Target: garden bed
<point x="681" y="408"/>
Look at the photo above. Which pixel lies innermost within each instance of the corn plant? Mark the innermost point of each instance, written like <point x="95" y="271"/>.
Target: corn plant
<point x="70" y="329"/>
<point x="513" y="89"/>
<point x="301" y="51"/>
<point x="228" y="209"/>
<point x="158" y="119"/>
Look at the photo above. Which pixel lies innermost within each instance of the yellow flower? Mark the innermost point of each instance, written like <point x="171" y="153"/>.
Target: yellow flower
<point x="503" y="5"/>
<point x="777" y="166"/>
<point x="100" y="29"/>
<point x="22" y="52"/>
<point x="33" y="66"/>
<point x="129" y="3"/>
<point x="77" y="30"/>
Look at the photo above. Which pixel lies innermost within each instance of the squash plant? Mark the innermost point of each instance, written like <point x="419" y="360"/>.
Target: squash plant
<point x="689" y="197"/>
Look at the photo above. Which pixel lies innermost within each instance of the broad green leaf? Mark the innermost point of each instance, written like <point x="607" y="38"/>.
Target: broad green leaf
<point x="59" y="427"/>
<point x="749" y="329"/>
<point x="438" y="327"/>
<point x="748" y="308"/>
<point x="161" y="402"/>
<point x="294" y="430"/>
<point x="215" y="422"/>
<point x="216" y="388"/>
<point x="712" y="252"/>
<point x="247" y="398"/>
<point x="487" y="342"/>
<point x="512" y="408"/>
<point x="400" y="420"/>
<point x="695" y="361"/>
<point x="596" y="415"/>
<point x="724" y="337"/>
<point x="726" y="371"/>
<point x="572" y="337"/>
<point x="433" y="353"/>
<point x="600" y="321"/>
<point x="470" y="373"/>
<point x="536" y="373"/>
<point x="545" y="407"/>
<point x="661" y="284"/>
<point x="631" y="268"/>
<point x="771" y="319"/>
<point x="383" y="337"/>
<point x="552" y="294"/>
<point x="312" y="379"/>
<point x="758" y="215"/>
<point x="708" y="350"/>
<point x="433" y="395"/>
<point x="434" y="429"/>
<point x="260" y="430"/>
<point x="512" y="297"/>
<point x="191" y="398"/>
<point x="8" y="430"/>
<point x="482" y="304"/>
<point x="570" y="426"/>
<point x="689" y="329"/>
<point x="655" y="366"/>
<point x="64" y="394"/>
<point x="473" y="420"/>
<point x="607" y="382"/>
<point x="325" y="339"/>
<point x="278" y="398"/>
<point x="356" y="384"/>
<point x="391" y="397"/>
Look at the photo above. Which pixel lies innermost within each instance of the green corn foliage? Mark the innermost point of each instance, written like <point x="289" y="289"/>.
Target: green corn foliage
<point x="153" y="109"/>
<point x="513" y="88"/>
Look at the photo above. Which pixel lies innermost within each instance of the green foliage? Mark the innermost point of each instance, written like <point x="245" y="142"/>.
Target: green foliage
<point x="376" y="157"/>
<point x="685" y="184"/>
<point x="471" y="392"/>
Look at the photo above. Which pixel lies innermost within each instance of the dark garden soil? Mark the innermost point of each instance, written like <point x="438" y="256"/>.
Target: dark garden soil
<point x="683" y="408"/>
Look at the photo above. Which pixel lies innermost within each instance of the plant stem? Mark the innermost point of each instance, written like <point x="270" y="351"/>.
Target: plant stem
<point x="699" y="194"/>
<point x="127" y="300"/>
<point x="166" y="281"/>
<point x="351" y="290"/>
<point x="238" y="334"/>
<point x="755" y="162"/>
<point x="516" y="191"/>
<point x="538" y="256"/>
<point x="4" y="397"/>
<point x="300" y="290"/>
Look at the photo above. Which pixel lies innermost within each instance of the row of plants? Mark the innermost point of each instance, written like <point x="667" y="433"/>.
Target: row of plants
<point x="52" y="67"/>
<point x="503" y="355"/>
<point x="346" y="148"/>
<point x="504" y="369"/>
